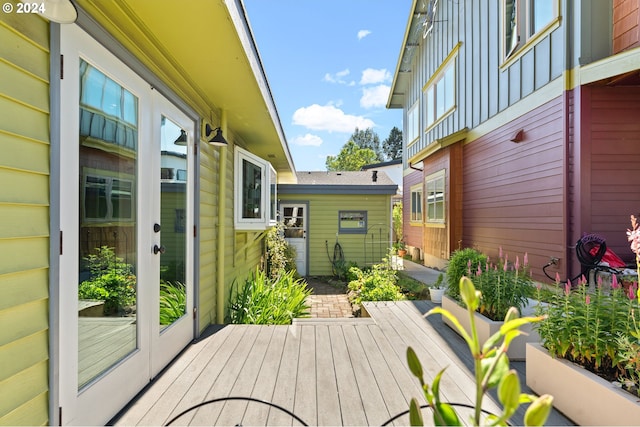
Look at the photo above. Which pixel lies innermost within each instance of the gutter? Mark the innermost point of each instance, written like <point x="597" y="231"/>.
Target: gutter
<point x="222" y="205"/>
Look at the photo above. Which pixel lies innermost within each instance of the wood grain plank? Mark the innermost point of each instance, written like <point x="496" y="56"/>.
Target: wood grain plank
<point x="351" y="406"/>
<point x="327" y="386"/>
<point x="232" y="412"/>
<point x="284" y="394"/>
<point x="306" y="394"/>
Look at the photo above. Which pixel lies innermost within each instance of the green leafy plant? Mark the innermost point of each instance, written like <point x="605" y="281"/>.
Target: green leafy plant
<point x="503" y="286"/>
<point x="377" y="284"/>
<point x="281" y="257"/>
<point x="173" y="302"/>
<point x="112" y="281"/>
<point x="267" y="301"/>
<point x="588" y="328"/>
<point x="462" y="263"/>
<point x="491" y="368"/>
<point x="396" y="215"/>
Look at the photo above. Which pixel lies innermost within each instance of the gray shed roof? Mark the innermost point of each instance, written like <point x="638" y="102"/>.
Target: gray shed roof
<point x="346" y="182"/>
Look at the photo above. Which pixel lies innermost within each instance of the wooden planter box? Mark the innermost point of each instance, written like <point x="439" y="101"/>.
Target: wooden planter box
<point x="487" y="327"/>
<point x="579" y="394"/>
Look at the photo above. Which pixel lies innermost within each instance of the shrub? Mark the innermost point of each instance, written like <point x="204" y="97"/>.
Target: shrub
<point x="462" y="263"/>
<point x="112" y="281"/>
<point x="377" y="284"/>
<point x="173" y="302"/>
<point x="281" y="257"/>
<point x="266" y="301"/>
<point x="595" y="330"/>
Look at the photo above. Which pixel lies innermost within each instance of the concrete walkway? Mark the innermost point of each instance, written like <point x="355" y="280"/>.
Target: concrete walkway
<point x="420" y="272"/>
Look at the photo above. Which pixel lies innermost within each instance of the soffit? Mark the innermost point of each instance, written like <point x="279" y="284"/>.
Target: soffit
<point x="204" y="51"/>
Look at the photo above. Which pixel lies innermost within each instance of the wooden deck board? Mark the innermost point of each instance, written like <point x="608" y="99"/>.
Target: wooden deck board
<point x="327" y="373"/>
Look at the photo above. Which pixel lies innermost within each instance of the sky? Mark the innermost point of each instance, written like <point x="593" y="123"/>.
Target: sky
<point x="330" y="65"/>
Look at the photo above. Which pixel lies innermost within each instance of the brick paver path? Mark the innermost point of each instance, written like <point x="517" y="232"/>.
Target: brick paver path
<point x="327" y="301"/>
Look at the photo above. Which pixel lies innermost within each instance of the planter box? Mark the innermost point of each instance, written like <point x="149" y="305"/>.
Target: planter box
<point x="487" y="327"/>
<point x="581" y="395"/>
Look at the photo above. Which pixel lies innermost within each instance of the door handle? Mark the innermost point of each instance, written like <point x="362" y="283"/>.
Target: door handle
<point x="159" y="249"/>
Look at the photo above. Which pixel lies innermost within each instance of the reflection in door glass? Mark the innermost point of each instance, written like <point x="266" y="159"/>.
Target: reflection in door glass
<point x="107" y="283"/>
<point x="173" y="209"/>
<point x="294" y="222"/>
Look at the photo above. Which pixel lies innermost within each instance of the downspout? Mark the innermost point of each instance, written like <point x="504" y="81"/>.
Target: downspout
<point x="222" y="228"/>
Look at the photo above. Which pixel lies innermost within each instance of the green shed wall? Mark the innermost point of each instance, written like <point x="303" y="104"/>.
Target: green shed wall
<point x="24" y="209"/>
<point x="323" y="226"/>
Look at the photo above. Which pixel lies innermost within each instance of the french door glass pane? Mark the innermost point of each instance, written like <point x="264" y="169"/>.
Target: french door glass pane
<point x="173" y="211"/>
<point x="107" y="282"/>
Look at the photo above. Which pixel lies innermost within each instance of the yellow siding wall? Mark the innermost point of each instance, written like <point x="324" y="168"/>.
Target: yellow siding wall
<point x="323" y="226"/>
<point x="24" y="228"/>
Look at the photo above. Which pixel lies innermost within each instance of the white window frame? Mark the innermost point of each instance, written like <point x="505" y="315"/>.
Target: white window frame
<point x="526" y="33"/>
<point x="431" y="199"/>
<point x="266" y="218"/>
<point x="443" y="81"/>
<point x="415" y="216"/>
<point x="413" y="123"/>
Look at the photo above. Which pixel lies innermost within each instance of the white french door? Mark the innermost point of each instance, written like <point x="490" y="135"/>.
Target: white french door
<point x="126" y="269"/>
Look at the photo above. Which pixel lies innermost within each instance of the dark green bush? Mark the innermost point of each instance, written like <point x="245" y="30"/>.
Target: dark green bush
<point x="462" y="263"/>
<point x="281" y="256"/>
<point x="112" y="281"/>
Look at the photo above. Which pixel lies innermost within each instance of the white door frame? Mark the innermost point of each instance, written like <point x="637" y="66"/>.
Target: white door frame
<point x="101" y="399"/>
<point x="304" y="241"/>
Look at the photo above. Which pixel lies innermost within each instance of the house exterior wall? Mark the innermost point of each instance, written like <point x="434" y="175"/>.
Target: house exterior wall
<point x="609" y="155"/>
<point x="363" y="249"/>
<point x="24" y="229"/>
<point x="626" y="25"/>
<point x="486" y="84"/>
<point x="412" y="230"/>
<point x="513" y="192"/>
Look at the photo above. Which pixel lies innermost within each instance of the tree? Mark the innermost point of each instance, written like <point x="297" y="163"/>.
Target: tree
<point x="392" y="146"/>
<point x="368" y="139"/>
<point x="351" y="158"/>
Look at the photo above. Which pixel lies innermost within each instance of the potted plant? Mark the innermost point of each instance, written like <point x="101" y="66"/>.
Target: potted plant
<point x="436" y="291"/>
<point x="502" y="285"/>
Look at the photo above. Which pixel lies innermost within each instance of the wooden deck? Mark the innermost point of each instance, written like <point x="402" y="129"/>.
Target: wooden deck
<point x="328" y="372"/>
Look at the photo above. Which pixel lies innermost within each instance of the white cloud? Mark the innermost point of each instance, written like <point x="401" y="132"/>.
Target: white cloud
<point x="338" y="77"/>
<point x="308" y="139"/>
<point x="363" y="33"/>
<point x="374" y="96"/>
<point x="371" y="76"/>
<point x="330" y="119"/>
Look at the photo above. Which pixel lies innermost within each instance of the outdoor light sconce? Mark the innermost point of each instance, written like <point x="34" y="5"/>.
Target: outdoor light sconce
<point x="518" y="136"/>
<point x="58" y="11"/>
<point x="217" y="139"/>
<point x="182" y="139"/>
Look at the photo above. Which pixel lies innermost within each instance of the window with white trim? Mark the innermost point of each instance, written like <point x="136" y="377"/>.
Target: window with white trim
<point x="440" y="94"/>
<point x="416" y="203"/>
<point x="255" y="194"/>
<point x="523" y="20"/>
<point x="107" y="199"/>
<point x="413" y="123"/>
<point x="435" y="197"/>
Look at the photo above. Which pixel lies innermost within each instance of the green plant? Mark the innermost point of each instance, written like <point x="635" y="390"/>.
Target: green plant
<point x="503" y="286"/>
<point x="396" y="215"/>
<point x="281" y="256"/>
<point x="269" y="301"/>
<point x="462" y="262"/>
<point x="377" y="284"/>
<point x="411" y="288"/>
<point x="438" y="283"/>
<point x="491" y="368"/>
<point x="173" y="302"/>
<point x="112" y="281"/>
<point x="587" y="328"/>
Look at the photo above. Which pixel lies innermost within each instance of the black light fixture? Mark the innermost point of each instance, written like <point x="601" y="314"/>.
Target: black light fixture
<point x="182" y="139"/>
<point x="217" y="139"/>
<point x="59" y="11"/>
